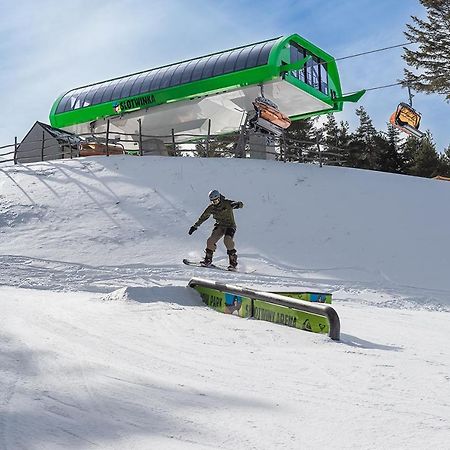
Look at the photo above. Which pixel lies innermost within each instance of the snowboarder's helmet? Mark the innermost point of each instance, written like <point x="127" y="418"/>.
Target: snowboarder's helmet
<point x="214" y="195"/>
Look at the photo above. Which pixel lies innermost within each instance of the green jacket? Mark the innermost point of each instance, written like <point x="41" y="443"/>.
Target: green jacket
<point x="222" y="213"/>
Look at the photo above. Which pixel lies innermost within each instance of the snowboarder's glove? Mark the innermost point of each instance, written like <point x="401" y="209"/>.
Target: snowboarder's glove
<point x="192" y="229"/>
<point x="237" y="205"/>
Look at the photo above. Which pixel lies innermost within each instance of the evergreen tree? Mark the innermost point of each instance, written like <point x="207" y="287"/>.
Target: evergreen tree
<point x="386" y="156"/>
<point x="344" y="139"/>
<point x="426" y="159"/>
<point x="444" y="163"/>
<point x="218" y="146"/>
<point x="432" y="58"/>
<point x="336" y="138"/>
<point x="408" y="151"/>
<point x="299" y="140"/>
<point x="330" y="130"/>
<point x="363" y="146"/>
<point x="330" y="137"/>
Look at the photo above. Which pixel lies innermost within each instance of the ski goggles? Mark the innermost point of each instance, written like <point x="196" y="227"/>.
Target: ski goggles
<point x="215" y="201"/>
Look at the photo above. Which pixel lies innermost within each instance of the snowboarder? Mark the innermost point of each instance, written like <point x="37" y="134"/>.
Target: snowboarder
<point x="225" y="226"/>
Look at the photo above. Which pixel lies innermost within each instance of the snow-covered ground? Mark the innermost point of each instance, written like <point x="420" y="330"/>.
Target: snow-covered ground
<point x="102" y="345"/>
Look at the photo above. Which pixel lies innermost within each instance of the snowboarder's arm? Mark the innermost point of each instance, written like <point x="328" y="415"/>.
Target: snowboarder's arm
<point x="236" y="205"/>
<point x="203" y="217"/>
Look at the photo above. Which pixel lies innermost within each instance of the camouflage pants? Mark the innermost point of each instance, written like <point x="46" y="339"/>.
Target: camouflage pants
<point x="217" y="233"/>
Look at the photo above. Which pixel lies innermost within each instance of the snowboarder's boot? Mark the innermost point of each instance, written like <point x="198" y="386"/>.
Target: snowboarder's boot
<point x="207" y="261"/>
<point x="232" y="256"/>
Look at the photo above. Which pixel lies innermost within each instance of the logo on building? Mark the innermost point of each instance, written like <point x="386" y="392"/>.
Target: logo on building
<point x="134" y="103"/>
<point x="117" y="108"/>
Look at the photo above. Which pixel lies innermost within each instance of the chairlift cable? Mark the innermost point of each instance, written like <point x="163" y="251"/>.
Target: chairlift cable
<point x="374" y="51"/>
<point x="377" y="87"/>
<point x="367" y="53"/>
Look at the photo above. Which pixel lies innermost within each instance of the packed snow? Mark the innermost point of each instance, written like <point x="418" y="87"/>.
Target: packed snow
<point x="103" y="345"/>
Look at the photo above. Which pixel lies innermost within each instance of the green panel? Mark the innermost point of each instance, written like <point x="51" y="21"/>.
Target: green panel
<point x="185" y="91"/>
<point x="242" y="306"/>
<point x="290" y="317"/>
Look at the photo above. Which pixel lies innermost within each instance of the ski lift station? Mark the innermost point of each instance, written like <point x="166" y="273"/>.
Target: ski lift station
<point x="208" y="95"/>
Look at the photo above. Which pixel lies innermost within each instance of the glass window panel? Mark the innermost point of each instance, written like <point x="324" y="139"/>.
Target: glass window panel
<point x="241" y="62"/>
<point x="75" y="98"/>
<point x="124" y="86"/>
<point x="297" y="53"/>
<point x="159" y="78"/>
<point x="302" y="74"/>
<point x="83" y="96"/>
<point x="148" y="80"/>
<point x="323" y="78"/>
<point x="128" y="85"/>
<point x="231" y="61"/>
<point x="70" y="103"/>
<point x="209" y="66"/>
<point x="264" y="55"/>
<point x="294" y="53"/>
<point x="63" y="103"/>
<point x="187" y="74"/>
<point x="105" y="87"/>
<point x="219" y="67"/>
<point x="253" y="56"/>
<point x="167" y="76"/>
<point x="98" y="94"/>
<point x="198" y="69"/>
<point x="107" y="94"/>
<point x="136" y="89"/>
<point x="89" y="95"/>
<point x="177" y="74"/>
<point x="117" y="89"/>
<point x="315" y="67"/>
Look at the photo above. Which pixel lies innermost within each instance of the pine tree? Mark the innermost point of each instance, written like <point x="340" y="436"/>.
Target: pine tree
<point x="330" y="137"/>
<point x="426" y="160"/>
<point x="299" y="140"/>
<point x="217" y="146"/>
<point x="408" y="151"/>
<point x="344" y="139"/>
<point x="336" y="138"/>
<point x="386" y="156"/>
<point x="363" y="145"/>
<point x="444" y="163"/>
<point x="432" y="59"/>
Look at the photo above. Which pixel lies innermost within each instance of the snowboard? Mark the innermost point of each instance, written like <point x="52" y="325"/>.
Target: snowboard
<point x="211" y="266"/>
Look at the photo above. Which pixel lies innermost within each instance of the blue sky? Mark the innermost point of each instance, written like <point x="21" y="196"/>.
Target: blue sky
<point x="49" y="46"/>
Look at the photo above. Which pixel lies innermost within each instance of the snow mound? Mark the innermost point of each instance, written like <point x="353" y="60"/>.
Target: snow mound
<point x="184" y="296"/>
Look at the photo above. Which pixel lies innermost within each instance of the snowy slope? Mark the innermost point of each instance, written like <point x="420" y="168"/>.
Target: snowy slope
<point x="107" y="348"/>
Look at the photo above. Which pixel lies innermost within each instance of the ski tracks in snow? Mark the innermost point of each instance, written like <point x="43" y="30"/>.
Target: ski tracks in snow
<point x="257" y="271"/>
<point x="38" y="273"/>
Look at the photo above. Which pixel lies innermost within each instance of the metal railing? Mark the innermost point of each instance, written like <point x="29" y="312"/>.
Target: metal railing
<point x="319" y="309"/>
<point x="179" y="144"/>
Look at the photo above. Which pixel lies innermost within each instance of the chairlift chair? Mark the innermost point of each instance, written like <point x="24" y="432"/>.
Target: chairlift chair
<point x="268" y="117"/>
<point x="407" y="119"/>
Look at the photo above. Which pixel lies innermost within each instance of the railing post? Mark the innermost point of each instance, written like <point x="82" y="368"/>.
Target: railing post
<point x="207" y="138"/>
<point x="141" y="152"/>
<point x="15" y="149"/>
<point x="318" y="149"/>
<point x="173" y="142"/>
<point x="42" y="146"/>
<point x="107" y="137"/>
